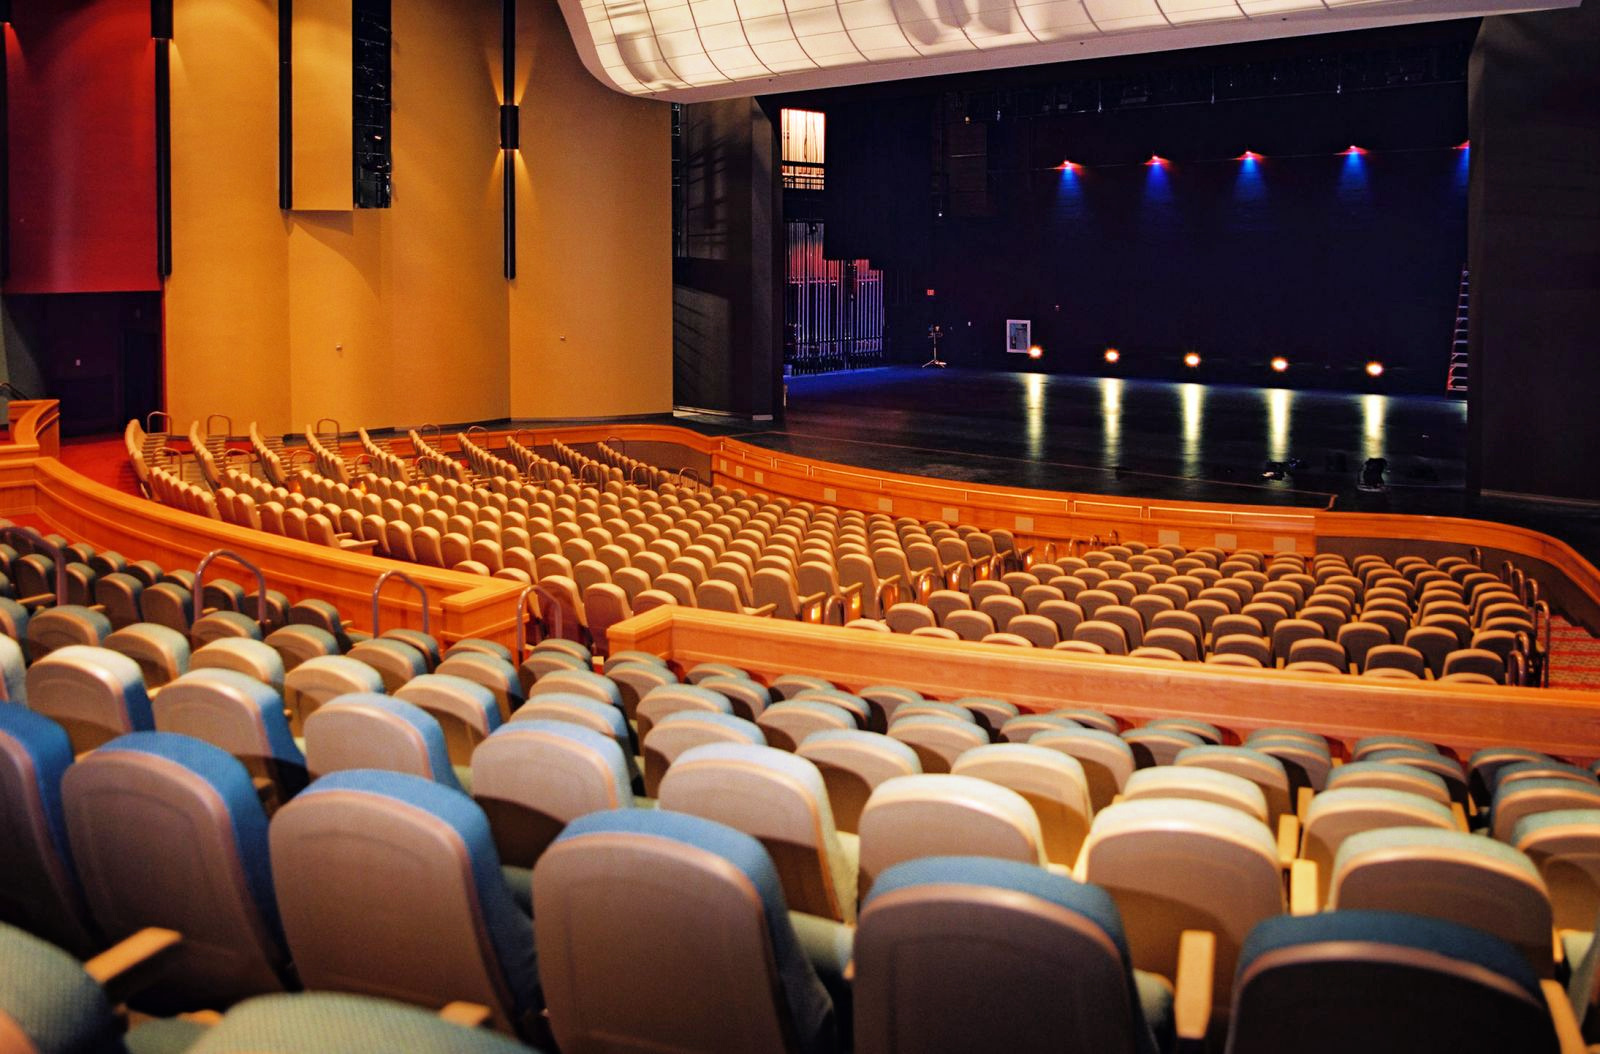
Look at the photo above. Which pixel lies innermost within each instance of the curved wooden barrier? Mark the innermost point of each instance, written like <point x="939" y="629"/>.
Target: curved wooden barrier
<point x="1462" y="717"/>
<point x="1563" y="722"/>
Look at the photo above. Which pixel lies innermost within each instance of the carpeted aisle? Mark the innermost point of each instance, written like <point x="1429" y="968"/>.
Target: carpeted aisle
<point x="1574" y="656"/>
<point x="103" y="459"/>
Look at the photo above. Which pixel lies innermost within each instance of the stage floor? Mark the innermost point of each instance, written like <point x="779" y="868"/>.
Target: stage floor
<point x="1147" y="439"/>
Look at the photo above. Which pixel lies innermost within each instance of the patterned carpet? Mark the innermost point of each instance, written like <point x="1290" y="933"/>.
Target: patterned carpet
<point x="1574" y="656"/>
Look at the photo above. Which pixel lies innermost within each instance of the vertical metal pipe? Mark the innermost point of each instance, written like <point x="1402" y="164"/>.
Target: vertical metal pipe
<point x="286" y="104"/>
<point x="163" y="157"/>
<point x="508" y="80"/>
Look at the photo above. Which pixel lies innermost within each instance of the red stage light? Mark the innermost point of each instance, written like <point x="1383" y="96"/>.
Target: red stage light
<point x="1279" y="364"/>
<point x="1192" y="359"/>
<point x="1249" y="155"/>
<point x="1112" y="355"/>
<point x="1354" y="151"/>
<point x="1374" y="368"/>
<point x="1036" y="352"/>
<point x="1157" y="159"/>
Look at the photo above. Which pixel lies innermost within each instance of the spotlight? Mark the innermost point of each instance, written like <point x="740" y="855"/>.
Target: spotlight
<point x="1157" y="159"/>
<point x="1279" y="364"/>
<point x="1113" y="355"/>
<point x="1068" y="166"/>
<point x="1192" y="359"/>
<point x="1374" y="368"/>
<point x="1248" y="155"/>
<point x="1354" y="151"/>
<point x="1465" y="144"/>
<point x="1036" y="352"/>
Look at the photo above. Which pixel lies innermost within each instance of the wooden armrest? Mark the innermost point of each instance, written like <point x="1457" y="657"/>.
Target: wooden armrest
<point x="118" y="968"/>
<point x="850" y="590"/>
<point x="1558" y="950"/>
<point x="764" y="611"/>
<point x="1288" y="839"/>
<point x="1568" y="1034"/>
<point x="814" y="598"/>
<point x="370" y="543"/>
<point x="1191" y="1001"/>
<point x="1303" y="887"/>
<point x="1460" y="814"/>
<point x="1302" y="804"/>
<point x="467" y="1015"/>
<point x="38" y="598"/>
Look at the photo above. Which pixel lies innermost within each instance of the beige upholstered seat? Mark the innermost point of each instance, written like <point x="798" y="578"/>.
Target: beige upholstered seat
<point x="944" y="815"/>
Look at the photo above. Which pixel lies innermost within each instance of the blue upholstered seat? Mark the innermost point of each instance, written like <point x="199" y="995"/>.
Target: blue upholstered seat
<point x="1381" y="982"/>
<point x="39" y="886"/>
<point x="685" y="920"/>
<point x="168" y="831"/>
<point x="1055" y="969"/>
<point x="366" y="730"/>
<point x="390" y="885"/>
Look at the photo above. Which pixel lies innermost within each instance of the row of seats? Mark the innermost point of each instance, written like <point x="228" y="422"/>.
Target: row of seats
<point x="347" y="826"/>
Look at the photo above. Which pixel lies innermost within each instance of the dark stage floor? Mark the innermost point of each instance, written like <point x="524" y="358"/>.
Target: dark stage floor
<point x="1147" y="439"/>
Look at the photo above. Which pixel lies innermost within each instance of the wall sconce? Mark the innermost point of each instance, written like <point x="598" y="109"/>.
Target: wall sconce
<point x="510" y="127"/>
<point x="160" y="19"/>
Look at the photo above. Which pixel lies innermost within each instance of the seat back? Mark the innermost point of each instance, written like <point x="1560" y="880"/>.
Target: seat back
<point x="253" y="658"/>
<point x="390" y="886"/>
<point x="1264" y="770"/>
<point x="1387" y="983"/>
<point x="1050" y="952"/>
<point x="168" y="831"/>
<point x="315" y="681"/>
<point x="672" y="735"/>
<point x="937" y="739"/>
<point x="465" y="710"/>
<point x="780" y="800"/>
<point x="532" y="778"/>
<point x="1107" y="760"/>
<point x="365" y="730"/>
<point x="1565" y="846"/>
<point x="1192" y="783"/>
<point x="940" y="815"/>
<point x="493" y="672"/>
<point x="786" y="725"/>
<point x="1448" y="874"/>
<point x="242" y="716"/>
<point x="1527" y="797"/>
<point x="1174" y="865"/>
<point x="853" y="764"/>
<point x="1052" y="782"/>
<point x="162" y="653"/>
<point x="1338" y="814"/>
<point x="48" y="1003"/>
<point x="671" y="933"/>
<point x="94" y="693"/>
<point x="38" y="885"/>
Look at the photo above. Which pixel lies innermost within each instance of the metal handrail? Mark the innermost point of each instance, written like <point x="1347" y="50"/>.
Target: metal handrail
<point x="228" y="433"/>
<point x="317" y="428"/>
<point x="408" y="580"/>
<point x="538" y="617"/>
<point x="152" y="415"/>
<point x="261" y="582"/>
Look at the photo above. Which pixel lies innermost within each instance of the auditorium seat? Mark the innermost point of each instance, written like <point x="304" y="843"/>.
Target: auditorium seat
<point x="491" y="671"/>
<point x="1396" y="777"/>
<point x="1338" y="814"/>
<point x="1450" y="875"/>
<point x="242" y="716"/>
<point x="163" y="654"/>
<point x="780" y="800"/>
<point x="1050" y="951"/>
<point x="1263" y="770"/>
<point x="937" y="738"/>
<point x="1177" y="865"/>
<point x="252" y="658"/>
<point x="939" y="815"/>
<point x="390" y="885"/>
<point x="313" y="1022"/>
<point x="1386" y="983"/>
<point x="679" y="731"/>
<point x="1052" y="782"/>
<point x="39" y="887"/>
<point x="168" y="831"/>
<point x="725" y="969"/>
<point x="853" y="763"/>
<point x="466" y="711"/>
<point x="533" y="777"/>
<point x="314" y="682"/>
<point x="95" y="694"/>
<point x="367" y="730"/>
<point x="1515" y="800"/>
<point x="787" y="724"/>
<point x="50" y="1003"/>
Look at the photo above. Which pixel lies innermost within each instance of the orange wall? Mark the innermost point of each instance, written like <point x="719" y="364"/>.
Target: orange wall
<point x="401" y="316"/>
<point x="591" y="309"/>
<point x="227" y="301"/>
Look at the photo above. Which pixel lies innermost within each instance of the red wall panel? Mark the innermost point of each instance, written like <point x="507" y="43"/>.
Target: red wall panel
<point x="81" y="80"/>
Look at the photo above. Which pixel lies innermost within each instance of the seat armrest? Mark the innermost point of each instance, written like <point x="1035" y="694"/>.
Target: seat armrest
<point x="467" y="1015"/>
<point x="1302" y="803"/>
<point x="1288" y="839"/>
<point x="1303" y="887"/>
<point x="1192" y="996"/>
<point x="123" y="968"/>
<point x="1568" y="1035"/>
